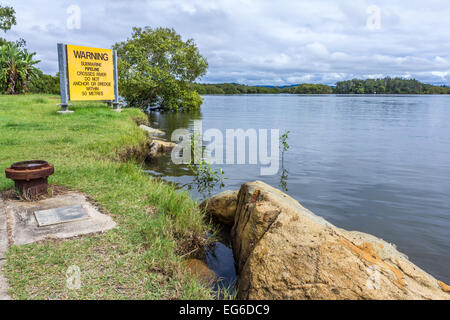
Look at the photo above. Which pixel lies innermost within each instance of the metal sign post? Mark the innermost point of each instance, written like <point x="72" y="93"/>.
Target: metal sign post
<point x="116" y="103"/>
<point x="63" y="81"/>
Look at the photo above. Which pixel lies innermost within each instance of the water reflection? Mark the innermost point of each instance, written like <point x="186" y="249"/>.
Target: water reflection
<point x="169" y="121"/>
<point x="220" y="259"/>
<point x="200" y="179"/>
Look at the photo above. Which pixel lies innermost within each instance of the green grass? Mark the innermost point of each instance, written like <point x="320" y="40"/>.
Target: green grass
<point x="139" y="259"/>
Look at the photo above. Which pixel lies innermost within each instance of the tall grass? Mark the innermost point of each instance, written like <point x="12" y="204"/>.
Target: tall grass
<point x="141" y="258"/>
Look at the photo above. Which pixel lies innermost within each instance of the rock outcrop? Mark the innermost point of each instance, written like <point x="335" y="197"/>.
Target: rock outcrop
<point x="284" y="251"/>
<point x="159" y="147"/>
<point x="222" y="207"/>
<point x="152" y="131"/>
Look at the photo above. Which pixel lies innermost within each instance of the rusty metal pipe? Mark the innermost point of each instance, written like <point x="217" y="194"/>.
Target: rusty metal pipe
<point x="30" y="177"/>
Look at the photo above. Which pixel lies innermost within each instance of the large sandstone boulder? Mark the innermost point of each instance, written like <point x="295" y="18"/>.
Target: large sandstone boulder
<point x="284" y="251"/>
<point x="222" y="207"/>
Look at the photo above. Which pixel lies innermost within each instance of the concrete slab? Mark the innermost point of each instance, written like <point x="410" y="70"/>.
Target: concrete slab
<point x="25" y="228"/>
<point x="3" y="248"/>
<point x="3" y="230"/>
<point x="3" y="284"/>
<point x="60" y="215"/>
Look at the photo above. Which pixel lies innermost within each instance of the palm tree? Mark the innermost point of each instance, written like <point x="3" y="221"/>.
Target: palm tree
<point x="17" y="68"/>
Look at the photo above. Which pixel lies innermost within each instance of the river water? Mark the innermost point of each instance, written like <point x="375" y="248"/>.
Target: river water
<point x="379" y="164"/>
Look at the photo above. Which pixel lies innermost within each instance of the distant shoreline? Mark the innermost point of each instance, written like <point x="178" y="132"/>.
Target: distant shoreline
<point x="368" y="86"/>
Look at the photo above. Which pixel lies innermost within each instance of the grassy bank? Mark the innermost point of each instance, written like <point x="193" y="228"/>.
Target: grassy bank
<point x="141" y="258"/>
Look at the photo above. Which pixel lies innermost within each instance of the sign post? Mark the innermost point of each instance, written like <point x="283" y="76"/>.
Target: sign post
<point x="63" y="84"/>
<point x="87" y="74"/>
<point x="116" y="84"/>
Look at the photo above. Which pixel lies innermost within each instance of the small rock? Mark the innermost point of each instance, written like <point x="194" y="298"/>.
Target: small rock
<point x="222" y="207"/>
<point x="159" y="147"/>
<point x="152" y="131"/>
<point x="154" y="147"/>
<point x="200" y="269"/>
<point x="164" y="146"/>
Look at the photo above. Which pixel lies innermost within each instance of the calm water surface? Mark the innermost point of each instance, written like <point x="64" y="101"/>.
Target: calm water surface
<point x="376" y="164"/>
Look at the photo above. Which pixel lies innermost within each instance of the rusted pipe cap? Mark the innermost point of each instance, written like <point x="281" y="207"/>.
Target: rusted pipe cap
<point x="29" y="170"/>
<point x="29" y="165"/>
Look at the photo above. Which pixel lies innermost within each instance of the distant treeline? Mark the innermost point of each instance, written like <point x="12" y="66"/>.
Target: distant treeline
<point x="370" y="86"/>
<point x="233" y="88"/>
<point x="388" y="86"/>
<point x="44" y="83"/>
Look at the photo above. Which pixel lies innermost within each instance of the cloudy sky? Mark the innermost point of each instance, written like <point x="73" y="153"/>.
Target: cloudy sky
<point x="258" y="41"/>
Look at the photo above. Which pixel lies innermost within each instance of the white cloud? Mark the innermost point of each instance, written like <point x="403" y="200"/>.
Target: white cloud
<point x="440" y="74"/>
<point x="317" y="49"/>
<point x="261" y="41"/>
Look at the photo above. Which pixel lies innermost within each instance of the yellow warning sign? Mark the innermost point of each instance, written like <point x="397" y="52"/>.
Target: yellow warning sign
<point x="90" y="73"/>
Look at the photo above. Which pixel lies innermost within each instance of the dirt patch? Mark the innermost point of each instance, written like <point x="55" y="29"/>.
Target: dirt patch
<point x="151" y="210"/>
<point x="53" y="191"/>
<point x="200" y="269"/>
<point x="191" y="246"/>
<point x="141" y="121"/>
<point x="138" y="152"/>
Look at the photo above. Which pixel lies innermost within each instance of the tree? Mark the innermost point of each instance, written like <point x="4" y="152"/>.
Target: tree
<point x="7" y="18"/>
<point x="44" y="83"/>
<point x="386" y="85"/>
<point x="17" y="68"/>
<point x="157" y="68"/>
<point x="311" y="88"/>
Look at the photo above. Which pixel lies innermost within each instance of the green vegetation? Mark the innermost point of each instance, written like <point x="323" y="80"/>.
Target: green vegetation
<point x="235" y="88"/>
<point x="310" y="88"/>
<point x="157" y="68"/>
<point x="17" y="68"/>
<point x="283" y="140"/>
<point x="18" y="73"/>
<point x="355" y="86"/>
<point x="284" y="173"/>
<point x="388" y="86"/>
<point x="7" y="18"/>
<point x="206" y="178"/>
<point x="232" y="88"/>
<point x="44" y="83"/>
<point x="91" y="149"/>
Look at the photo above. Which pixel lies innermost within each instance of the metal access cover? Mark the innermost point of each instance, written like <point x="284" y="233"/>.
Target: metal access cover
<point x="60" y="215"/>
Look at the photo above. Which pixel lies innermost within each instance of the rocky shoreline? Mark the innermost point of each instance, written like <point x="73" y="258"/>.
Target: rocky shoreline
<point x="284" y="251"/>
<point x="156" y="146"/>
